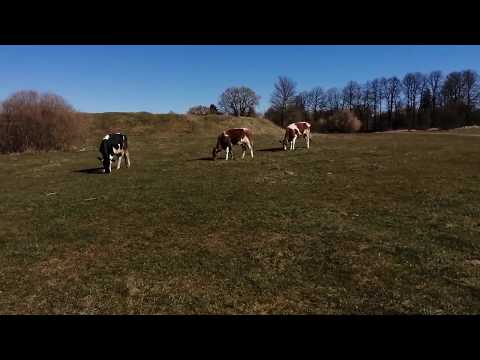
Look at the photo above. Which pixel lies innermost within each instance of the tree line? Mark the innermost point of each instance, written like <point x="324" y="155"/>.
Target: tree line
<point x="417" y="101"/>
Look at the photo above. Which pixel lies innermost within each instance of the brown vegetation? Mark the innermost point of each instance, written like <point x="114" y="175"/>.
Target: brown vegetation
<point x="343" y="121"/>
<point x="199" y="110"/>
<point x="33" y="121"/>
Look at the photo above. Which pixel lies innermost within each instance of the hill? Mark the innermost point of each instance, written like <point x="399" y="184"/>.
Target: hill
<point x="169" y="124"/>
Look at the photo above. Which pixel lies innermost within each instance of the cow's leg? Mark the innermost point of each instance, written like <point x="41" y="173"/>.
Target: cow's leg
<point x="250" y="147"/>
<point x="226" y="153"/>
<point x="119" y="161"/>
<point x="244" y="150"/>
<point x="308" y="139"/>
<point x="127" y="158"/>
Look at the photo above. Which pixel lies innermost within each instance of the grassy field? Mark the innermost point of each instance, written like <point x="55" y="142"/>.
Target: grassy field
<point x="358" y="224"/>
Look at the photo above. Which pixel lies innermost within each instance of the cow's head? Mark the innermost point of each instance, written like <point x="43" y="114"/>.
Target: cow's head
<point x="215" y="151"/>
<point x="223" y="141"/>
<point x="106" y="163"/>
<point x="106" y="159"/>
<point x="284" y="142"/>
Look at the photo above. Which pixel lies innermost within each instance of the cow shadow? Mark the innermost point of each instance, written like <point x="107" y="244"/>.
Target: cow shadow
<point x="271" y="149"/>
<point x="202" y="159"/>
<point x="90" y="171"/>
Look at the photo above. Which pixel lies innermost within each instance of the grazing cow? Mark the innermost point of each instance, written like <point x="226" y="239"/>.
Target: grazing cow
<point x="230" y="137"/>
<point x="295" y="130"/>
<point x="114" y="144"/>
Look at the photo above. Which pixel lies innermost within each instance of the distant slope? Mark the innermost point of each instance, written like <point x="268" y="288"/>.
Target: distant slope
<point x="167" y="124"/>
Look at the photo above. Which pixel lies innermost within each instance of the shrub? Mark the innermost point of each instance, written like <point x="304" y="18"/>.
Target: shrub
<point x="199" y="110"/>
<point x="319" y="125"/>
<point x="213" y="109"/>
<point x="343" y="121"/>
<point x="449" y="119"/>
<point x="33" y="121"/>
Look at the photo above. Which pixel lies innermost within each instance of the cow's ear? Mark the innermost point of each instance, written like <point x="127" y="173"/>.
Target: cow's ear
<point x="99" y="158"/>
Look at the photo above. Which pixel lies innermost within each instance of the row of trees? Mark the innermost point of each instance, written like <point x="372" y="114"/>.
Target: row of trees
<point x="417" y="101"/>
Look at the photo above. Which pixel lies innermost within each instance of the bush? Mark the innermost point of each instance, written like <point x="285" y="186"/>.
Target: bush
<point x="199" y="110"/>
<point x="33" y="121"/>
<point x="213" y="109"/>
<point x="475" y="117"/>
<point x="343" y="121"/>
<point x="449" y="119"/>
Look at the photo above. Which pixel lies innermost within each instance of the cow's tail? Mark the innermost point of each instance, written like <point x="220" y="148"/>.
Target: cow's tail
<point x="125" y="143"/>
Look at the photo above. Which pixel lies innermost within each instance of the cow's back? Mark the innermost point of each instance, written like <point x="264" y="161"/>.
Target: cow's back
<point x="303" y="126"/>
<point x="116" y="140"/>
<point x="238" y="134"/>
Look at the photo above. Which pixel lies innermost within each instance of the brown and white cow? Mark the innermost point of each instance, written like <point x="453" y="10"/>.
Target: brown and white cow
<point x="293" y="131"/>
<point x="230" y="137"/>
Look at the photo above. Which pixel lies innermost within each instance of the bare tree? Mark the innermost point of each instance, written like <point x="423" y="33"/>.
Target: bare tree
<point x="301" y="106"/>
<point x="302" y="100"/>
<point x="409" y="90"/>
<point x="452" y="89"/>
<point x="413" y="86"/>
<point x="351" y="95"/>
<point x="366" y="104"/>
<point x="316" y="102"/>
<point x="365" y="95"/>
<point x="434" y="80"/>
<point x="238" y="101"/>
<point x="382" y="92"/>
<point x="283" y="95"/>
<point x="420" y="84"/>
<point x="471" y="90"/>
<point x="425" y="108"/>
<point x="376" y="99"/>
<point x="333" y="99"/>
<point x="392" y="88"/>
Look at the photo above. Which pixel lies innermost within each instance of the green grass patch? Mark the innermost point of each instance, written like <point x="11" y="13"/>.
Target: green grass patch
<point x="358" y="224"/>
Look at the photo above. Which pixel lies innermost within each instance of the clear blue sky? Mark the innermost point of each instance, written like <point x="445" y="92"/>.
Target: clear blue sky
<point x="163" y="78"/>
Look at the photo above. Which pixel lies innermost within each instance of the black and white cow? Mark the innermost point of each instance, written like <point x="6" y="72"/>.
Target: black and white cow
<point x="114" y="145"/>
<point x="230" y="137"/>
<point x="293" y="131"/>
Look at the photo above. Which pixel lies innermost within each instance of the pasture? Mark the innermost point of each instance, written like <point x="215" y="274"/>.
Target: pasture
<point x="359" y="224"/>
